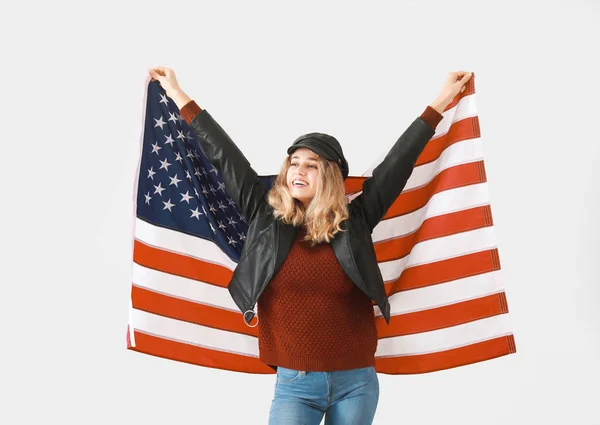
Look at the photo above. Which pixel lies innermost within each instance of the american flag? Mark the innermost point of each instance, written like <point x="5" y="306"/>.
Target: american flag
<point x="436" y="249"/>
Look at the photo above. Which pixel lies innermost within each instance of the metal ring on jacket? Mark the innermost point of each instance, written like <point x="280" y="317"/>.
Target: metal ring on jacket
<point x="255" y="315"/>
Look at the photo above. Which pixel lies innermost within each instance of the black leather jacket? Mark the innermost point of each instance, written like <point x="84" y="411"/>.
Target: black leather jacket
<point x="268" y="240"/>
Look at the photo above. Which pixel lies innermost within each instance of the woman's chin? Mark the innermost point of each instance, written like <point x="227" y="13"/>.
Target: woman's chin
<point x="300" y="200"/>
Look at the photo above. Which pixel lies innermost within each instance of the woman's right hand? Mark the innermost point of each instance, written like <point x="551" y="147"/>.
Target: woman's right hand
<point x="168" y="81"/>
<point x="166" y="78"/>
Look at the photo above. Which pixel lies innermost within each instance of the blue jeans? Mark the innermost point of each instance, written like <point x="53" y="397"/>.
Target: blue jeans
<point x="347" y="397"/>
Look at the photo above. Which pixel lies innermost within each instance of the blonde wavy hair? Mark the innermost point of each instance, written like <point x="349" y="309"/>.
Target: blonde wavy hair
<point x="326" y="211"/>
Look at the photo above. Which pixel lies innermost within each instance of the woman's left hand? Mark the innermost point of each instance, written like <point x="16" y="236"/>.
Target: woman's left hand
<point x="454" y="84"/>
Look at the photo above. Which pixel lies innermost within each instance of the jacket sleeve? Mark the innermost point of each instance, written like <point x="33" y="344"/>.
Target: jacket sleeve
<point x="389" y="178"/>
<point x="241" y="181"/>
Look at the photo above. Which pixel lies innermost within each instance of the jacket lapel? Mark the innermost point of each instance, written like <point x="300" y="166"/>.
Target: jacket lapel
<point x="284" y="235"/>
<point x="342" y="248"/>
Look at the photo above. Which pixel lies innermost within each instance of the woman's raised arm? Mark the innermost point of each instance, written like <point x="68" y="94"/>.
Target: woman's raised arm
<point x="241" y="181"/>
<point x="390" y="177"/>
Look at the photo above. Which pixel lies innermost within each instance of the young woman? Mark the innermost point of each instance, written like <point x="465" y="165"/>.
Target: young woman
<point x="308" y="260"/>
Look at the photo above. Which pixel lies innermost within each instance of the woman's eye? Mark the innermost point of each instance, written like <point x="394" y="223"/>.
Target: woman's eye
<point x="293" y="165"/>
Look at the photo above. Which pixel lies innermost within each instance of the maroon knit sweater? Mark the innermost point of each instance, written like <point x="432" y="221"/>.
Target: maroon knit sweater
<point x="312" y="317"/>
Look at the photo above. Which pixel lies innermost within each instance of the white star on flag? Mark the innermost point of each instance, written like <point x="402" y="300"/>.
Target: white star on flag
<point x="196" y="213"/>
<point x="159" y="122"/>
<point x="164" y="164"/>
<point x="170" y="140"/>
<point x="168" y="205"/>
<point x="159" y="189"/>
<point x="156" y="148"/>
<point x="186" y="197"/>
<point x="174" y="180"/>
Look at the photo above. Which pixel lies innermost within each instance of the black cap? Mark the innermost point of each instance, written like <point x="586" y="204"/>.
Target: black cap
<point x="323" y="145"/>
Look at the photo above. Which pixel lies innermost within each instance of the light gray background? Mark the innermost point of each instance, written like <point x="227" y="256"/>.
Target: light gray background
<point x="72" y="100"/>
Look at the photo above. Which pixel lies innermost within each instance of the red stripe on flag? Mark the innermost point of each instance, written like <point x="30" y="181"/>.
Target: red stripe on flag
<point x="434" y="227"/>
<point x="189" y="311"/>
<point x="180" y="265"/>
<point x="464" y="129"/>
<point x="451" y="178"/>
<point x="447" y="359"/>
<point x="354" y="184"/>
<point x="442" y="317"/>
<point x="174" y="350"/>
<point x="420" y="363"/>
<point x="445" y="271"/>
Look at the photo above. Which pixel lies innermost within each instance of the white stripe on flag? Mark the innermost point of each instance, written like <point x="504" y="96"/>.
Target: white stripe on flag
<point x="445" y="339"/>
<point x="190" y="333"/>
<point x="460" y="153"/>
<point x="183" y="288"/>
<point x="178" y="242"/>
<point x="443" y="294"/>
<point x="424" y="342"/>
<point x="439" y="249"/>
<point x="466" y="108"/>
<point x="446" y="202"/>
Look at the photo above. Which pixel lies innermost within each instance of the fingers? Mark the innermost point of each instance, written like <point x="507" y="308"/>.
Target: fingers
<point x="459" y="77"/>
<point x="161" y="71"/>
<point x="165" y="77"/>
<point x="155" y="76"/>
<point x="163" y="74"/>
<point x="463" y="77"/>
<point x="464" y="80"/>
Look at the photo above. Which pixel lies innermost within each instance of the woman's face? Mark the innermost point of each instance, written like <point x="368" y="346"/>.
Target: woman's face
<point x="304" y="167"/>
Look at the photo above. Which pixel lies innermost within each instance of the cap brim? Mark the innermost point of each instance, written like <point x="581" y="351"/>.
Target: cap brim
<point x="313" y="147"/>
